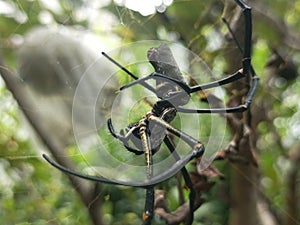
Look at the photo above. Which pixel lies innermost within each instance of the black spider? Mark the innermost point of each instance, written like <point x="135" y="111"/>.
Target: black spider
<point x="146" y="136"/>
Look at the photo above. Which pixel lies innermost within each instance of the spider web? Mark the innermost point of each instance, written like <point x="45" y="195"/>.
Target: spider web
<point x="120" y="25"/>
<point x="127" y="21"/>
<point x="23" y="170"/>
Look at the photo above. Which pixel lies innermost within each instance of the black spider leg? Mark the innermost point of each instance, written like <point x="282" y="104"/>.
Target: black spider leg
<point x="188" y="139"/>
<point x="197" y="146"/>
<point x="186" y="177"/>
<point x="128" y="72"/>
<point x="149" y="206"/>
<point x="252" y="71"/>
<point x="183" y="85"/>
<point x="246" y="67"/>
<point x="149" y="203"/>
<point x="197" y="151"/>
<point x="186" y="89"/>
<point x="124" y="138"/>
<point x="156" y="76"/>
<point x="238" y="75"/>
<point x="141" y="81"/>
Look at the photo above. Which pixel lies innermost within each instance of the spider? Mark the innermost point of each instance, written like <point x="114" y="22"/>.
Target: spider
<point x="147" y="135"/>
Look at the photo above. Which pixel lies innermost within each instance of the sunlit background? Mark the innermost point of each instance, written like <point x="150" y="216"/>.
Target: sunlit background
<point x="33" y="192"/>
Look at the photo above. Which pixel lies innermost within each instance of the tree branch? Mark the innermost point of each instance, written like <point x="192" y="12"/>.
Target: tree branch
<point x="292" y="197"/>
<point x="86" y="191"/>
<point x="201" y="183"/>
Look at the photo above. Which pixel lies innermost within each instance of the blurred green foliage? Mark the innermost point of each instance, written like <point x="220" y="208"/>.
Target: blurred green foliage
<point x="34" y="193"/>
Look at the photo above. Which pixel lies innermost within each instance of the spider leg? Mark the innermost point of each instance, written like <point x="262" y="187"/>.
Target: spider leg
<point x="140" y="81"/>
<point x="149" y="206"/>
<point x="198" y="150"/>
<point x="239" y="108"/>
<point x="128" y="72"/>
<point x="198" y="147"/>
<point x="252" y="71"/>
<point x="113" y="133"/>
<point x="122" y="138"/>
<point x="149" y="203"/>
<point x="247" y="67"/>
<point x="158" y="76"/>
<point x="248" y="36"/>
<point x="87" y="177"/>
<point x="236" y="76"/>
<point x="186" y="178"/>
<point x="174" y="169"/>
